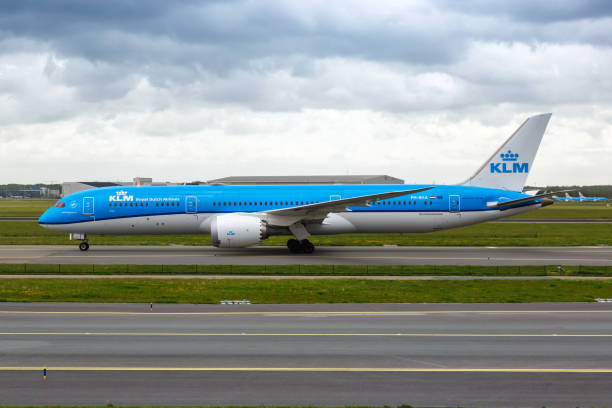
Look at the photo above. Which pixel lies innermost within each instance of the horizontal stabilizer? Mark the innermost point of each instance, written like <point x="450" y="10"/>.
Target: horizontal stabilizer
<point x="523" y="200"/>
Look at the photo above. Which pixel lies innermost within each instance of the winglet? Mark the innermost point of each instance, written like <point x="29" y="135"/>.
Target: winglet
<point x="509" y="166"/>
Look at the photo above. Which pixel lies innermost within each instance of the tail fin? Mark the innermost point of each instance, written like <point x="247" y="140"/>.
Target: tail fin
<point x="567" y="195"/>
<point x="509" y="166"/>
<point x="580" y="194"/>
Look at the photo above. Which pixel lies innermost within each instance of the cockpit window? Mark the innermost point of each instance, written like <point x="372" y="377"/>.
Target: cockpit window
<point x="60" y="204"/>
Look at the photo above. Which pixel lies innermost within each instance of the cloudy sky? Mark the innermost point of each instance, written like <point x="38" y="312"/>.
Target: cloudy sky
<point x="194" y="90"/>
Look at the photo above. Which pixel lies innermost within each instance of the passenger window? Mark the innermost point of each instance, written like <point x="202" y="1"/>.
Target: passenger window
<point x="146" y="204"/>
<point x="431" y="202"/>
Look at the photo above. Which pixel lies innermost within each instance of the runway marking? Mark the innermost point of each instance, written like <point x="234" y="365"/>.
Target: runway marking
<point x="161" y="334"/>
<point x="284" y="314"/>
<point x="318" y="369"/>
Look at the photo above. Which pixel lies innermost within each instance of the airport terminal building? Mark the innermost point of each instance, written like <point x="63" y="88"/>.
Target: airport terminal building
<point x="75" y="186"/>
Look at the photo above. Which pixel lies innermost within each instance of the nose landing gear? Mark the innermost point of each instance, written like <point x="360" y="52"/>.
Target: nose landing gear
<point x="83" y="246"/>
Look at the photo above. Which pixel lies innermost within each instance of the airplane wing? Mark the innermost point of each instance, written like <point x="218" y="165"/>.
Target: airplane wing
<point x="502" y="204"/>
<point x="290" y="215"/>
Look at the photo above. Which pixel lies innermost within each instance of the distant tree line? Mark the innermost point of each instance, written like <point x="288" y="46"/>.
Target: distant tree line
<point x="589" y="191"/>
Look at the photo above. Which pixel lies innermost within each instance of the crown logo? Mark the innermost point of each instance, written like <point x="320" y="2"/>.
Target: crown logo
<point x="121" y="192"/>
<point x="509" y="156"/>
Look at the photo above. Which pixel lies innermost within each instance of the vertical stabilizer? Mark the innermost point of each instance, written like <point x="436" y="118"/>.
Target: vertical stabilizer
<point x="509" y="166"/>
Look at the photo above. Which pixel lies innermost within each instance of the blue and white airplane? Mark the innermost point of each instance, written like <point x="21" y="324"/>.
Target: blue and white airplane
<point x="591" y="199"/>
<point x="242" y="216"/>
<point x="567" y="198"/>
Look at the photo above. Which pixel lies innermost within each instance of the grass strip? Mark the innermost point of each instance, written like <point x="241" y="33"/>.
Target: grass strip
<point x="25" y="207"/>
<point x="486" y="234"/>
<point x="307" y="270"/>
<point x="301" y="291"/>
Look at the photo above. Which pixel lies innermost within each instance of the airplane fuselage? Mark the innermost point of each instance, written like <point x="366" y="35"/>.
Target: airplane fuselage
<point x="190" y="209"/>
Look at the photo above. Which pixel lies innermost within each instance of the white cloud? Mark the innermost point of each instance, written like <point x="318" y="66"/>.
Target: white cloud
<point x="417" y="91"/>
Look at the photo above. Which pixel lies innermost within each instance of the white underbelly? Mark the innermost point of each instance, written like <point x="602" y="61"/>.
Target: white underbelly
<point x="145" y="225"/>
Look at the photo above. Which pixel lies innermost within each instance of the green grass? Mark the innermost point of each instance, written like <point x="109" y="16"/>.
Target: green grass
<point x="24" y="208"/>
<point x="307" y="270"/>
<point x="300" y="291"/>
<point x="487" y="234"/>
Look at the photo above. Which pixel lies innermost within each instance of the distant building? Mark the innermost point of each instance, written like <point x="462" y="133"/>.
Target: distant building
<point x="75" y="186"/>
<point x="143" y="181"/>
<point x="71" y="187"/>
<point x="279" y="180"/>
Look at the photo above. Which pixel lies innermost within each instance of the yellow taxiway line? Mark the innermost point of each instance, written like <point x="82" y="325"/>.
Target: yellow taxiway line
<point x="317" y="369"/>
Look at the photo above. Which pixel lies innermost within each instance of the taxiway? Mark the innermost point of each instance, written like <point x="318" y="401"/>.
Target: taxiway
<point x="434" y="355"/>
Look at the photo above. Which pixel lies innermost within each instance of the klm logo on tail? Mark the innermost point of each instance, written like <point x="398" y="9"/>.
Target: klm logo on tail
<point x="509" y="164"/>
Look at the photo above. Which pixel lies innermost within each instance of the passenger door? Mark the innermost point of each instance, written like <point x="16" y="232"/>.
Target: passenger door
<point x="88" y="207"/>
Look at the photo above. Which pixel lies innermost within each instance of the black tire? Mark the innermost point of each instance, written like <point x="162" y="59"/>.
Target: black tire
<point x="307" y="247"/>
<point x="293" y="245"/>
<point x="83" y="246"/>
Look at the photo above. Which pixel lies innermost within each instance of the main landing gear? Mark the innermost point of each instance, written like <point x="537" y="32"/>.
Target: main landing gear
<point x="300" y="247"/>
<point x="84" y="246"/>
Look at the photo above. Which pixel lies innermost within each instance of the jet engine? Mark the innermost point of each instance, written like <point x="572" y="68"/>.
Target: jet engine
<point x="237" y="231"/>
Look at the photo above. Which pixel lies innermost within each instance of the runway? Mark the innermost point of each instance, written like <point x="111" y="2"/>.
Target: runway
<point x="388" y="255"/>
<point x="427" y="355"/>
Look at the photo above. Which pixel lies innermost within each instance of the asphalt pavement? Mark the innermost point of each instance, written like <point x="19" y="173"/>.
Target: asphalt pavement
<point x="425" y="355"/>
<point x="387" y="255"/>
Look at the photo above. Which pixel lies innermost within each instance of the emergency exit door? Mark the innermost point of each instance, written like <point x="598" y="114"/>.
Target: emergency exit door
<point x="454" y="203"/>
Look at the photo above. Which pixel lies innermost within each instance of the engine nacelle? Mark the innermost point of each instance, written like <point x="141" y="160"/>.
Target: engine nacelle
<point x="237" y="231"/>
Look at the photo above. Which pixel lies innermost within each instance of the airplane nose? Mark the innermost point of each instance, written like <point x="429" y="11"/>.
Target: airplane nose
<point x="44" y="218"/>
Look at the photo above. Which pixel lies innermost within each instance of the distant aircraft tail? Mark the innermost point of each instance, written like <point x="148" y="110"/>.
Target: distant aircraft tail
<point x="567" y="195"/>
<point x="509" y="166"/>
<point x="580" y="194"/>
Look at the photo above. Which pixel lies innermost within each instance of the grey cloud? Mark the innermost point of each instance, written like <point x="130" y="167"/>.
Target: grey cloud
<point x="264" y="54"/>
<point x="534" y="10"/>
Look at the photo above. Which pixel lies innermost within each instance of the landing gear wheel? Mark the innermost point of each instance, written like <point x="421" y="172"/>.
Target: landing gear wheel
<point x="300" y="247"/>
<point x="83" y="246"/>
<point x="307" y="246"/>
<point x="294" y="246"/>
